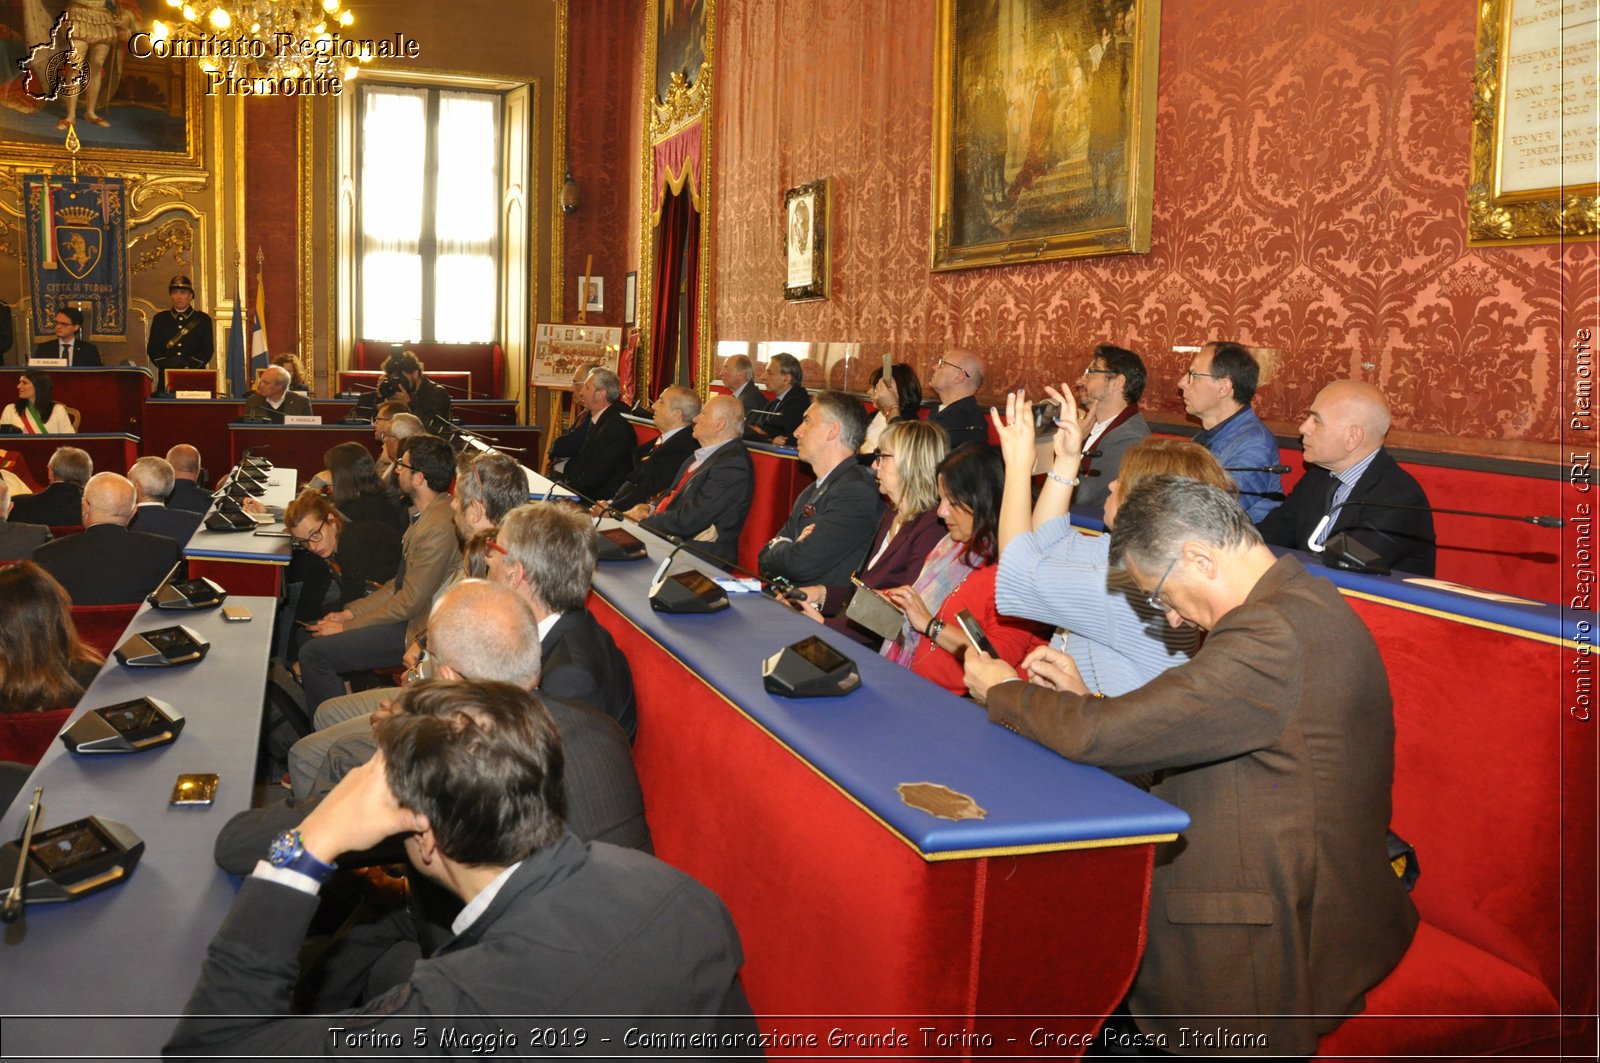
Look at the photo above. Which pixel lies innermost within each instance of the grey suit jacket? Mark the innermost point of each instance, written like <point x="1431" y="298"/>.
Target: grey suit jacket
<point x="1278" y="740"/>
<point x="17" y="541"/>
<point x="717" y="496"/>
<point x="1092" y="490"/>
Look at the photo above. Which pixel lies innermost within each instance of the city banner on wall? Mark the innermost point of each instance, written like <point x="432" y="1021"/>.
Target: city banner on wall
<point x="76" y="251"/>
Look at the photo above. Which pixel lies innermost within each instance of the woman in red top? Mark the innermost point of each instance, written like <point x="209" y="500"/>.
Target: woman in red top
<point x="959" y="575"/>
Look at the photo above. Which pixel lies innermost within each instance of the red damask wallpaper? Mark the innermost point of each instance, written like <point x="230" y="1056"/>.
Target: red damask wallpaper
<point x="1311" y="164"/>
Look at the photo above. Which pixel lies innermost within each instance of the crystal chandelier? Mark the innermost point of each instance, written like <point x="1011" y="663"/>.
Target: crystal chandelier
<point x="251" y="39"/>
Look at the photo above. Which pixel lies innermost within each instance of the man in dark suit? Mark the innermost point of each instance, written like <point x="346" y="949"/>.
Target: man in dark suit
<point x="596" y="471"/>
<point x="61" y="502"/>
<point x="273" y="400"/>
<point x="711" y="496"/>
<point x="477" y="630"/>
<point x="1279" y="910"/>
<point x="834" y="520"/>
<point x="69" y="344"/>
<point x="1346" y="465"/>
<point x="1108" y="401"/>
<point x="17" y="541"/>
<point x="777" y="420"/>
<point x="656" y="463"/>
<point x="471" y="775"/>
<point x="957" y="377"/>
<point x="187" y="494"/>
<point x="548" y="555"/>
<point x="106" y="564"/>
<point x="152" y="478"/>
<point x="739" y="377"/>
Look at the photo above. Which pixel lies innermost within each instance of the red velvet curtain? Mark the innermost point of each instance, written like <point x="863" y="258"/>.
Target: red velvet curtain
<point x="677" y="284"/>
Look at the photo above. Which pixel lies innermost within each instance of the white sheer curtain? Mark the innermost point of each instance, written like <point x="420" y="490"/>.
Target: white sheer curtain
<point x="394" y="138"/>
<point x="465" y="208"/>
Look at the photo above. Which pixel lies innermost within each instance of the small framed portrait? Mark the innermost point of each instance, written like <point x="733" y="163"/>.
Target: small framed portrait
<point x="593" y="297"/>
<point x="806" y="241"/>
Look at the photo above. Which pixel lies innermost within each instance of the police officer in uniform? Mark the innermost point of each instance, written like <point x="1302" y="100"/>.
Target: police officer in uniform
<point x="180" y="338"/>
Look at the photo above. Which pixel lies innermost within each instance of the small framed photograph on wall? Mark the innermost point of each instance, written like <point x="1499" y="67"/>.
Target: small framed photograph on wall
<point x="630" y="299"/>
<point x="806" y="241"/>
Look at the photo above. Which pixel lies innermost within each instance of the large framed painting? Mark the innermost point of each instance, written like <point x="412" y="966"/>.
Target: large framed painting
<point x="1535" y="177"/>
<point x="1044" y="129"/>
<point x="88" y="63"/>
<point x="680" y="42"/>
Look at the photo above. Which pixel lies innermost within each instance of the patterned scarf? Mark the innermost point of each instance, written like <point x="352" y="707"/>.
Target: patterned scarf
<point x="942" y="573"/>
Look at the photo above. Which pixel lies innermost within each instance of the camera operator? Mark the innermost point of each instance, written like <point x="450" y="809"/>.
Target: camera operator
<point x="404" y="381"/>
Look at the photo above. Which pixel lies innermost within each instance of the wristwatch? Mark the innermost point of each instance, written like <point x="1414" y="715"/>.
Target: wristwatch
<point x="288" y="851"/>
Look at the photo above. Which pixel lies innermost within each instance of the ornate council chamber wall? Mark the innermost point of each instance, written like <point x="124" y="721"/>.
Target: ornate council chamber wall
<point x="1310" y="196"/>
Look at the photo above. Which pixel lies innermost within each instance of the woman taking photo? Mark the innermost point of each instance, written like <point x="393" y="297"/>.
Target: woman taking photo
<point x="44" y="668"/>
<point x="35" y="411"/>
<point x="908" y="459"/>
<point x="896" y="399"/>
<point x="959" y="576"/>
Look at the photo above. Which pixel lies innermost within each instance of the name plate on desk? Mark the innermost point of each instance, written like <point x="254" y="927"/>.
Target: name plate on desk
<point x="301" y="418"/>
<point x="47" y="362"/>
<point x="191" y="394"/>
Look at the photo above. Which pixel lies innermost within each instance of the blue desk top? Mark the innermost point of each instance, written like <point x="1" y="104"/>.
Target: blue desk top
<point x="245" y="546"/>
<point x="133" y="950"/>
<point x="897" y="728"/>
<point x="1544" y="621"/>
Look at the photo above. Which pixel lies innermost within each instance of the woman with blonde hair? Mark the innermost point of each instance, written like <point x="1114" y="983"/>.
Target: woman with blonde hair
<point x="44" y="666"/>
<point x="1057" y="574"/>
<point x="909" y="453"/>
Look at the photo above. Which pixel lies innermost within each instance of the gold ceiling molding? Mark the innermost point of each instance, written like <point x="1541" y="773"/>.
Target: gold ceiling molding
<point x="684" y="103"/>
<point x="176" y="238"/>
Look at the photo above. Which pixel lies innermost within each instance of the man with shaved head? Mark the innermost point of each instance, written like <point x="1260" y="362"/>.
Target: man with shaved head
<point x="656" y="463"/>
<point x="957" y="377"/>
<point x="710" y="497"/>
<point x="1346" y="466"/>
<point x="106" y="564"/>
<point x="187" y="493"/>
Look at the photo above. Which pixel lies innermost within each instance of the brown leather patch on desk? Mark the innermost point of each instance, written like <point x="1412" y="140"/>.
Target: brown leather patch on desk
<point x="941" y="801"/>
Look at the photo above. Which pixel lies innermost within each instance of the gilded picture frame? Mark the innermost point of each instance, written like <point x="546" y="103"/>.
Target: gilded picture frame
<point x="1044" y="130"/>
<point x="148" y="111"/>
<point x="807" y="243"/>
<point x="1535" y="170"/>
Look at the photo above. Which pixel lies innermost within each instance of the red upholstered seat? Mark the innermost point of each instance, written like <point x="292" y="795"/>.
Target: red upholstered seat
<point x="1448" y="999"/>
<point x="101" y="626"/>
<point x="24" y="736"/>
<point x="59" y="531"/>
<point x="485" y="361"/>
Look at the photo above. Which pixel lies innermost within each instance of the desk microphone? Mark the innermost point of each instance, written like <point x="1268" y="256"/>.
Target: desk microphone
<point x="12" y="910"/>
<point x="615" y="543"/>
<point x="1344" y="551"/>
<point x="1276" y="470"/>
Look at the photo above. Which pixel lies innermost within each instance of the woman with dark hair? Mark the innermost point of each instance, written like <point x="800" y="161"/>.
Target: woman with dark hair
<point x="44" y="667"/>
<point x="959" y="576"/>
<point x="35" y="411"/>
<point x="356" y="489"/>
<point x="344" y="559"/>
<point x="896" y="399"/>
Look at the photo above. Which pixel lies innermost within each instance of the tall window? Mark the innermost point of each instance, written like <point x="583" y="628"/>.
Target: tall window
<point x="428" y="230"/>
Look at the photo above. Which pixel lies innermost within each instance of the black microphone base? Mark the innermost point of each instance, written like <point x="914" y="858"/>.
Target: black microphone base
<point x="1346" y="553"/>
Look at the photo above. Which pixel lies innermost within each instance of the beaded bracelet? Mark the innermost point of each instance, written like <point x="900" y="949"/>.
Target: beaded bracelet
<point x="1062" y="480"/>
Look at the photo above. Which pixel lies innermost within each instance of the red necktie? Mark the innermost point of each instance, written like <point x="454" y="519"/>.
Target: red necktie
<point x="667" y="501"/>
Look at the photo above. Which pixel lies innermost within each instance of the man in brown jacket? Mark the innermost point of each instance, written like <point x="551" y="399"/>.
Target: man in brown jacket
<point x="1278" y="909"/>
